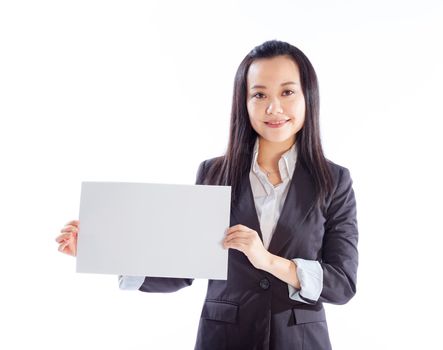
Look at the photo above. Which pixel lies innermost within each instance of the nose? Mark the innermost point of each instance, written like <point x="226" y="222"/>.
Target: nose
<point x="274" y="107"/>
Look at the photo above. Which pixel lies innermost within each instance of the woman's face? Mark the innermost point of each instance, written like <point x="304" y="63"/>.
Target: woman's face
<point x="275" y="95"/>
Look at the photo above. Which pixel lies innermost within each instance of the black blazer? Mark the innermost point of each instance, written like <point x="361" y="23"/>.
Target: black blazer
<point x="252" y="308"/>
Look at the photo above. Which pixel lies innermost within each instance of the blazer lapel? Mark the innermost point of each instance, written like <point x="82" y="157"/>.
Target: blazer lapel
<point x="243" y="211"/>
<point x="299" y="201"/>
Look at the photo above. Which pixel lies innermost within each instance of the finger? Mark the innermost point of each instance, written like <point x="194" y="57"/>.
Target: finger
<point x="238" y="234"/>
<point x="238" y="246"/>
<point x="62" y="247"/>
<point x="234" y="230"/>
<point x="245" y="241"/>
<point x="66" y="249"/>
<point x="63" y="237"/>
<point x="73" y="222"/>
<point x="238" y="227"/>
<point x="72" y="246"/>
<point x="70" y="228"/>
<point x="242" y="227"/>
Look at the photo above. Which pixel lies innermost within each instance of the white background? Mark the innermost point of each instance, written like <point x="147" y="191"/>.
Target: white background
<point x="141" y="91"/>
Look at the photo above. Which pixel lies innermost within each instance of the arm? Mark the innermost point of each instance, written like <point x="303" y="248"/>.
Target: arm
<point x="332" y="280"/>
<point x="339" y="251"/>
<point x="164" y="284"/>
<point x="152" y="284"/>
<point x="283" y="269"/>
<point x="130" y="282"/>
<point x="304" y="277"/>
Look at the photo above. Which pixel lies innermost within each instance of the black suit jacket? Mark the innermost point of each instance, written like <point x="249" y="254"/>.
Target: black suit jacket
<point x="252" y="308"/>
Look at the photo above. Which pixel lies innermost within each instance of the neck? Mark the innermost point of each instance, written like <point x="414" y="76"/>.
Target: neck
<point x="270" y="152"/>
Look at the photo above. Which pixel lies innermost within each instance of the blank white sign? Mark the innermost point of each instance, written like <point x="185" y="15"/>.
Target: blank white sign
<point x="158" y="230"/>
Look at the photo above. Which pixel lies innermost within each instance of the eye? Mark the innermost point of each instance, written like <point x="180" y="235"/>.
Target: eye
<point x="291" y="92"/>
<point x="256" y="95"/>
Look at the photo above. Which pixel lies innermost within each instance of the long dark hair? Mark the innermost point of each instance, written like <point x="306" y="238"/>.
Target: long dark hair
<point x="229" y="169"/>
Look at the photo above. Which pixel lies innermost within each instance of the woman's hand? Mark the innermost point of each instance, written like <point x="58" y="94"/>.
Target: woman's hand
<point x="68" y="238"/>
<point x="246" y="240"/>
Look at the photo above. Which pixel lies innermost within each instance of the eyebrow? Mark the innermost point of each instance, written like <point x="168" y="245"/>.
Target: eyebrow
<point x="283" y="84"/>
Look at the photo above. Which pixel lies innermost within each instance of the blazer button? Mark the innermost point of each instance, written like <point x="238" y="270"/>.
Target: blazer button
<point x="264" y="283"/>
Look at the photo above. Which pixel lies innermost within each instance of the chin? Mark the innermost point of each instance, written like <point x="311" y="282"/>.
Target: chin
<point x="277" y="138"/>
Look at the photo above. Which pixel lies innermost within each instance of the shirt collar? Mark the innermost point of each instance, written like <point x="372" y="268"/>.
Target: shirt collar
<point x="289" y="158"/>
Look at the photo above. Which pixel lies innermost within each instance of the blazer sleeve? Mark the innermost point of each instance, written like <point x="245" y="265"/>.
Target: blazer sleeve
<point x="168" y="284"/>
<point x="339" y="251"/>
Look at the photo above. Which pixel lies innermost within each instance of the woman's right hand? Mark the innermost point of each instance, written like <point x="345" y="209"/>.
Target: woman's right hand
<point x="68" y="238"/>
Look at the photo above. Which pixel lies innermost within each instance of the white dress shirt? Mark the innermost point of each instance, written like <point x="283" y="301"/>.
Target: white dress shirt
<point x="269" y="200"/>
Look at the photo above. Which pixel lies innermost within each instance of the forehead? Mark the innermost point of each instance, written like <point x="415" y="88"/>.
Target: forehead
<point x="274" y="70"/>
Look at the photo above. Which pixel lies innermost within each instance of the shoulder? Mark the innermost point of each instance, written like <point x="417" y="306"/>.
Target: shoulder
<point x="338" y="172"/>
<point x="205" y="166"/>
<point x="342" y="184"/>
<point x="211" y="161"/>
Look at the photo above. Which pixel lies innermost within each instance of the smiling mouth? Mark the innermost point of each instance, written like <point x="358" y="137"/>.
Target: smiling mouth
<point x="277" y="122"/>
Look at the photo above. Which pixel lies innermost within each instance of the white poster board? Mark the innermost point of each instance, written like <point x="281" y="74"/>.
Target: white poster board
<point x="157" y="230"/>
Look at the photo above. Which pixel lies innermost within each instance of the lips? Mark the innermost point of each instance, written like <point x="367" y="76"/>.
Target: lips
<point x="276" y="122"/>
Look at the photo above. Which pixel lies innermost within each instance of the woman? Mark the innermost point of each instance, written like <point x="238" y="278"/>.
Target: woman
<point x="293" y="229"/>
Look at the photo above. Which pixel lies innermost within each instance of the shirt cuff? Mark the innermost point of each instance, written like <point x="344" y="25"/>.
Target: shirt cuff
<point x="130" y="282"/>
<point x="310" y="275"/>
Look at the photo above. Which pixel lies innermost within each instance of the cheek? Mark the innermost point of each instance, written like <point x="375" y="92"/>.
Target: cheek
<point x="298" y="109"/>
<point x="301" y="113"/>
<point x="251" y="109"/>
<point x="302" y="108"/>
<point x="253" y="114"/>
<point x="254" y="123"/>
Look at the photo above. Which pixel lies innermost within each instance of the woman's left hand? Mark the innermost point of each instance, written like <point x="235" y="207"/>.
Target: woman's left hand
<point x="246" y="240"/>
